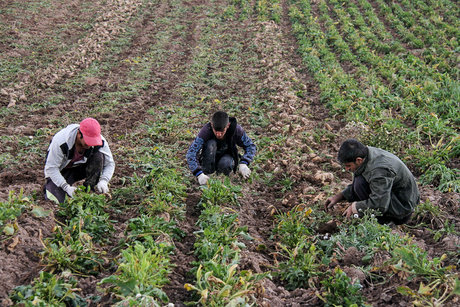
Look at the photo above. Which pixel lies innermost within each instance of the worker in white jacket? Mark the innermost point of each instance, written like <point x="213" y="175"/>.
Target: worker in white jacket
<point x="78" y="152"/>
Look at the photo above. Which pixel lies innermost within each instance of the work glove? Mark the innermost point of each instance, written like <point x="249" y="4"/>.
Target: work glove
<point x="102" y="187"/>
<point x="244" y="170"/>
<point x="203" y="179"/>
<point x="70" y="190"/>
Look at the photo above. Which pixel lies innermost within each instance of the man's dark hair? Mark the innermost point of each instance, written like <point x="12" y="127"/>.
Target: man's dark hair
<point x="219" y="120"/>
<point x="350" y="150"/>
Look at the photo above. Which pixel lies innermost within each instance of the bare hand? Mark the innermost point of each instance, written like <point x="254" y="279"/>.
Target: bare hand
<point x="348" y="212"/>
<point x="331" y="201"/>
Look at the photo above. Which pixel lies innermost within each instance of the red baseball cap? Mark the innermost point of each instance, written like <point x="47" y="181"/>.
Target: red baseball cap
<point x="91" y="131"/>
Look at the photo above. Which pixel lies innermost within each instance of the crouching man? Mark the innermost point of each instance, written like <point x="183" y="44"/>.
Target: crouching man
<point x="78" y="152"/>
<point x="215" y="149"/>
<point x="381" y="181"/>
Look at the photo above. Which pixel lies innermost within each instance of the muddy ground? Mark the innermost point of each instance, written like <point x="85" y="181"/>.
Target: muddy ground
<point x="278" y="68"/>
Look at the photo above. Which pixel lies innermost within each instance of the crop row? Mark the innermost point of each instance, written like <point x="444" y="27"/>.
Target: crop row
<point x="306" y="258"/>
<point x="218" y="281"/>
<point x="83" y="243"/>
<point x="391" y="94"/>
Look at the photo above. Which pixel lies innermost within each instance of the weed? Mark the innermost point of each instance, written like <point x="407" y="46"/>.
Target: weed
<point x="232" y="288"/>
<point x="141" y="228"/>
<point x="434" y="294"/>
<point x="414" y="261"/>
<point x="71" y="249"/>
<point x="366" y="234"/>
<point x="430" y="215"/>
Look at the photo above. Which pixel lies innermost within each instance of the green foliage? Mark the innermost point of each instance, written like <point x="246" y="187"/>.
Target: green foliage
<point x="86" y="210"/>
<point x="71" y="249"/>
<point x="439" y="175"/>
<point x="428" y="214"/>
<point x="141" y="271"/>
<point x="49" y="290"/>
<point x="366" y="234"/>
<point x="442" y="284"/>
<point x="433" y="294"/>
<point x="10" y="210"/>
<point x="301" y="264"/>
<point x="340" y="291"/>
<point x="219" y="193"/>
<point x="294" y="226"/>
<point x="233" y="288"/>
<point x="146" y="229"/>
<point x="414" y="261"/>
<point x="218" y="229"/>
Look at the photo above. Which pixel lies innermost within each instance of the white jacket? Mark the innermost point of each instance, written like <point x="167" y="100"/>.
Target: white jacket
<point x="59" y="155"/>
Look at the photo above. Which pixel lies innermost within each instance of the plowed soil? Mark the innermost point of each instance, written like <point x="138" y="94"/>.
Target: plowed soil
<point x="73" y="48"/>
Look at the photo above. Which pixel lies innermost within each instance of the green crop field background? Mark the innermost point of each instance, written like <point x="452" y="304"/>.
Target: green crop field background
<point x="300" y="76"/>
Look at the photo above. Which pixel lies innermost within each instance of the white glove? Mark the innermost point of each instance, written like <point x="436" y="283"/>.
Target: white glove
<point x="102" y="187"/>
<point x="244" y="170"/>
<point x="203" y="179"/>
<point x="70" y="190"/>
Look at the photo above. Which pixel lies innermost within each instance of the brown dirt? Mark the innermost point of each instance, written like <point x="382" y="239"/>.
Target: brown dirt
<point x="313" y="170"/>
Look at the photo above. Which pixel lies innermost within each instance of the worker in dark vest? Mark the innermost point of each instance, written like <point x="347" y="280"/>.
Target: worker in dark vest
<point x="215" y="149"/>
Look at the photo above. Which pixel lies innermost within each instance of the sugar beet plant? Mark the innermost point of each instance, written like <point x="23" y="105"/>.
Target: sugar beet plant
<point x="10" y="210"/>
<point x="49" y="290"/>
<point x="217" y="247"/>
<point x="141" y="273"/>
<point x="72" y="246"/>
<point x="144" y="263"/>
<point x="299" y="259"/>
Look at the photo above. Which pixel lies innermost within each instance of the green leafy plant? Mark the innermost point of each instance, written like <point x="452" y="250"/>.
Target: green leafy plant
<point x="219" y="228"/>
<point x="301" y="264"/>
<point x="232" y="288"/>
<point x="218" y="193"/>
<point x="86" y="210"/>
<point x="146" y="229"/>
<point x="294" y="226"/>
<point x="49" y="290"/>
<point x="141" y="271"/>
<point x="415" y="262"/>
<point x="340" y="291"/>
<point x="71" y="249"/>
<point x="11" y="209"/>
<point x="434" y="294"/>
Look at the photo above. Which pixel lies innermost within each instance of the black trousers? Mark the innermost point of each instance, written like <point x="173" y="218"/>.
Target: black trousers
<point x="212" y="161"/>
<point x="90" y="171"/>
<point x="361" y="191"/>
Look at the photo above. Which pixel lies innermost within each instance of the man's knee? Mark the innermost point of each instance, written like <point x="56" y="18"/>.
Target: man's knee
<point x="94" y="168"/>
<point x="225" y="165"/>
<point x="208" y="157"/>
<point x="53" y="192"/>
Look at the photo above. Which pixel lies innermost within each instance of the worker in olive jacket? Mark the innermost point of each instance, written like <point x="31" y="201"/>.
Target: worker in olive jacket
<point x="381" y="181"/>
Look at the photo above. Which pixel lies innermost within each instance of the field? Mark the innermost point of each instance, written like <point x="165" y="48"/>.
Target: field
<point x="300" y="76"/>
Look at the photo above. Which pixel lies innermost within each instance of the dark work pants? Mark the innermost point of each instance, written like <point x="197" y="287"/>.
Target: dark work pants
<point x="212" y="162"/>
<point x="361" y="191"/>
<point x="90" y="171"/>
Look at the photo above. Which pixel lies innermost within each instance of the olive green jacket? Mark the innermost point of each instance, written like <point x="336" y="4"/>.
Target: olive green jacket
<point x="394" y="191"/>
